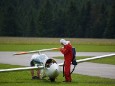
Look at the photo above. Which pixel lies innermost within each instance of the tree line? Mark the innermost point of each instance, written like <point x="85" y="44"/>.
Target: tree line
<point x="58" y="18"/>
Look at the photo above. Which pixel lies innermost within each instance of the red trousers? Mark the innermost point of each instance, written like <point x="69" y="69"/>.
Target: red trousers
<point x="67" y="67"/>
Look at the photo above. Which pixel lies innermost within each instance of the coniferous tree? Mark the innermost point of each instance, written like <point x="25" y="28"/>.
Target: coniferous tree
<point x="85" y="15"/>
<point x="45" y="19"/>
<point x="57" y="18"/>
<point x="110" y="29"/>
<point x="72" y="20"/>
<point x="99" y="20"/>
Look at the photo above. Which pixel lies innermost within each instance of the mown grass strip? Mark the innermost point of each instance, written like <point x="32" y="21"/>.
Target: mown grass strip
<point x="79" y="48"/>
<point x="35" y="40"/>
<point x="82" y="45"/>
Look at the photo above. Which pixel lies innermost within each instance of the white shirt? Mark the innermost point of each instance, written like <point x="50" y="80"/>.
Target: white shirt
<point x="39" y="58"/>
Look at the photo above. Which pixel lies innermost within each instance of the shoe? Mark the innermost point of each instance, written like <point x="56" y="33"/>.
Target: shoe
<point x="35" y="77"/>
<point x="66" y="81"/>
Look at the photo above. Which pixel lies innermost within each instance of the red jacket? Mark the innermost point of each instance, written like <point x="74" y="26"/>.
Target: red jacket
<point x="67" y="51"/>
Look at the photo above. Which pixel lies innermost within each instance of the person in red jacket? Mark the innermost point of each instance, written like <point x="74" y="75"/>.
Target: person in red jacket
<point x="67" y="51"/>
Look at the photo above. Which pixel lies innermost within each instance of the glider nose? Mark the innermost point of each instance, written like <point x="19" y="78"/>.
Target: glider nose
<point x="53" y="70"/>
<point x="56" y="72"/>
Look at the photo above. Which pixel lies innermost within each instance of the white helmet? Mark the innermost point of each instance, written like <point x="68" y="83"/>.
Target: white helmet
<point x="64" y="42"/>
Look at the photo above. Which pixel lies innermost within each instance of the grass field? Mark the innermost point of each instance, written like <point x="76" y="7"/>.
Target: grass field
<point x="23" y="78"/>
<point x="82" y="45"/>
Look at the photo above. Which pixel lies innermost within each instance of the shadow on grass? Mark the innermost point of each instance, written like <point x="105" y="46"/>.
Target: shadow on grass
<point x="29" y="81"/>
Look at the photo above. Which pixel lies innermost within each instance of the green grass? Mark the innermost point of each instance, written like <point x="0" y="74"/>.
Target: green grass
<point x="95" y="48"/>
<point x="108" y="60"/>
<point x="23" y="78"/>
<point x="80" y="48"/>
<point x="30" y="40"/>
<point x="24" y="47"/>
<point x="78" y="57"/>
<point x="82" y="45"/>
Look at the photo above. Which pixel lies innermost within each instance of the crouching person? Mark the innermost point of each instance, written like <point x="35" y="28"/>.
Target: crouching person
<point x="37" y="60"/>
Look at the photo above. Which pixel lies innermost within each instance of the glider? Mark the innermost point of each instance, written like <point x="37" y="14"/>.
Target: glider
<point x="51" y="70"/>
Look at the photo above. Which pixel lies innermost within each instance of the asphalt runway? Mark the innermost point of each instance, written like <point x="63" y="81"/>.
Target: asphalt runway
<point x="85" y="68"/>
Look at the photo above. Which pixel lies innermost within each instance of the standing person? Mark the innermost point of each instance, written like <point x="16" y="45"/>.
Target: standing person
<point x="39" y="60"/>
<point x="67" y="51"/>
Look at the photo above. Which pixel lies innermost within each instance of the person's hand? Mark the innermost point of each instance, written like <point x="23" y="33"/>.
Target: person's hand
<point x="61" y="48"/>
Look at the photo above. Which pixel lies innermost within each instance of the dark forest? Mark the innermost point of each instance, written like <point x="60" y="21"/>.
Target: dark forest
<point x="58" y="18"/>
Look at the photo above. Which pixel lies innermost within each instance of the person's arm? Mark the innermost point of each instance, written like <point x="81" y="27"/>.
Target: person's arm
<point x="64" y="50"/>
